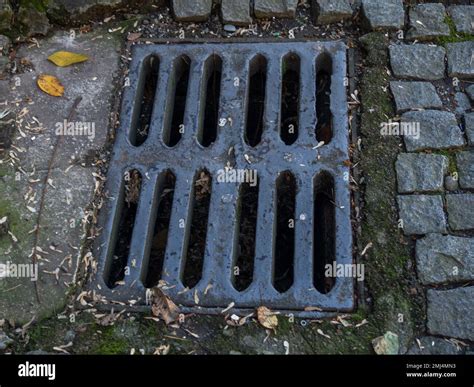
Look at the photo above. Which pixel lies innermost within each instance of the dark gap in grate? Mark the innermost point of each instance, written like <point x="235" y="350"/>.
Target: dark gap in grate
<point x="213" y="71"/>
<point x="324" y="130"/>
<point x="127" y="215"/>
<point x="166" y="183"/>
<point x="141" y="127"/>
<point x="324" y="234"/>
<point x="285" y="232"/>
<point x="256" y="100"/>
<point x="290" y="93"/>
<point x="173" y="133"/>
<point x="197" y="235"/>
<point x="248" y="209"/>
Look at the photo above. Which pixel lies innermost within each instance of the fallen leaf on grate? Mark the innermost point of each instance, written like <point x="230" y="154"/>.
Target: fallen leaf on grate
<point x="163" y="307"/>
<point x="266" y="317"/>
<point x="50" y="85"/>
<point x="66" y="58"/>
<point x="203" y="185"/>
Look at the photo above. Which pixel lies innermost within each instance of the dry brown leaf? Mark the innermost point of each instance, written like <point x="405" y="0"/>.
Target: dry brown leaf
<point x="50" y="85"/>
<point x="267" y="318"/>
<point x="134" y="36"/>
<point x="163" y="307"/>
<point x="66" y="58"/>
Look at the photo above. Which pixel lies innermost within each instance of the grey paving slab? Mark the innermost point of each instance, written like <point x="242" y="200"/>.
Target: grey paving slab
<point x="444" y="259"/>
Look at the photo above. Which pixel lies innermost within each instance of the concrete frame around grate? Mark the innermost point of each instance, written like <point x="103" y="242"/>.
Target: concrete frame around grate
<point x="271" y="157"/>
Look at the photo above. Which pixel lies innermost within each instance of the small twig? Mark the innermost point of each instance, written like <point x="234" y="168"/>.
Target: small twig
<point x="72" y="112"/>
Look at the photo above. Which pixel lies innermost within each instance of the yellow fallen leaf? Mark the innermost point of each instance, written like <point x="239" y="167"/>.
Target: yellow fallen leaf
<point x="66" y="58"/>
<point x="50" y="85"/>
<point x="267" y="318"/>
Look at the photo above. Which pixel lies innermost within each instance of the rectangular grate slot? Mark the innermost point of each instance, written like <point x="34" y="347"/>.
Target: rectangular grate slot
<point x="166" y="184"/>
<point x="212" y="73"/>
<point x="179" y="85"/>
<point x="130" y="196"/>
<point x="199" y="227"/>
<point x="197" y="237"/>
<point x="256" y="100"/>
<point x="324" y="231"/>
<point x="147" y="91"/>
<point x="244" y="265"/>
<point x="290" y="93"/>
<point x="323" y="98"/>
<point x="285" y="232"/>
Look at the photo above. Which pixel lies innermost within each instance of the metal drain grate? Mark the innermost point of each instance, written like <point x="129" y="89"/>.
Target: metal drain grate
<point x="219" y="107"/>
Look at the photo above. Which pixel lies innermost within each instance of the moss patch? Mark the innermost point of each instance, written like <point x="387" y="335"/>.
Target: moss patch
<point x="454" y="36"/>
<point x="451" y="155"/>
<point x="39" y="5"/>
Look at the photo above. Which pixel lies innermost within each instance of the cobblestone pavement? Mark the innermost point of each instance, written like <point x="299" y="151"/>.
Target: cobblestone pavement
<point x="430" y="49"/>
<point x="435" y="174"/>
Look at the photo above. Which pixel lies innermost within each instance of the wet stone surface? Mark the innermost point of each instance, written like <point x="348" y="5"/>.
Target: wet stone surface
<point x="380" y="15"/>
<point x="192" y="10"/>
<point x="451" y="312"/>
<point x="469" y="127"/>
<point x="330" y="11"/>
<point x="451" y="183"/>
<point x="460" y="211"/>
<point x="463" y="17"/>
<point x="264" y="9"/>
<point x="422" y="214"/>
<point x="427" y="21"/>
<point x="460" y="59"/>
<point x="445" y="259"/>
<point x="420" y="172"/>
<point x="92" y="84"/>
<point x="415" y="95"/>
<point x="462" y="103"/>
<point x="417" y="61"/>
<point x="465" y="163"/>
<point x="470" y="92"/>
<point x="235" y="12"/>
<point x="437" y="130"/>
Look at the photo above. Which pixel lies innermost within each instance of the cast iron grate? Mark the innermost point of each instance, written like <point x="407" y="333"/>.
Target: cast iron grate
<point x="194" y="111"/>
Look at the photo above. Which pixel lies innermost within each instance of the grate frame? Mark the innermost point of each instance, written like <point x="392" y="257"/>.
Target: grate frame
<point x="270" y="158"/>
